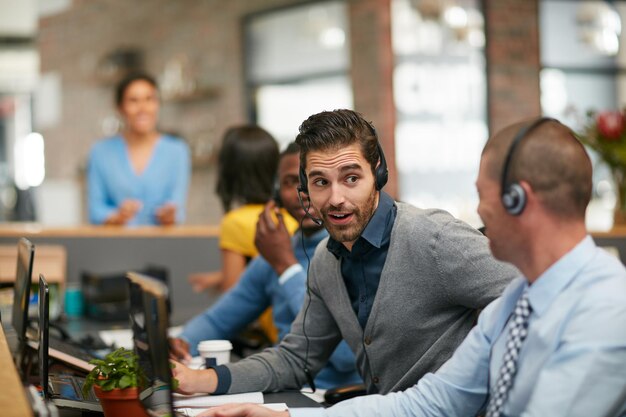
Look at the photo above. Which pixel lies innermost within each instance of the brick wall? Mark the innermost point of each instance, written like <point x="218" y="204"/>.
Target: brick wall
<point x="208" y="33"/>
<point x="512" y="60"/>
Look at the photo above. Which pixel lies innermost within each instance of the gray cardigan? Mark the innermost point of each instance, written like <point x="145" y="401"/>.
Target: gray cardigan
<point x="438" y="271"/>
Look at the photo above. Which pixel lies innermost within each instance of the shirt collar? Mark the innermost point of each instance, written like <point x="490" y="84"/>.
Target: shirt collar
<point x="374" y="232"/>
<point x="550" y="284"/>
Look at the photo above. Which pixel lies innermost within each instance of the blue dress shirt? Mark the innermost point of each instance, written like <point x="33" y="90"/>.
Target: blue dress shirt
<point x="257" y="289"/>
<point x="572" y="363"/>
<point x="361" y="268"/>
<point x="111" y="179"/>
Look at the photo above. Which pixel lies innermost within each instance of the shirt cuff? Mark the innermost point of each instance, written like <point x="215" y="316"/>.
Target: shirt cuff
<point x="307" y="412"/>
<point x="290" y="272"/>
<point x="223" y="379"/>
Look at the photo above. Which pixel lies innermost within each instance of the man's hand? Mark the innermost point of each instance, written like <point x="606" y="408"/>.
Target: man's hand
<point x="179" y="349"/>
<point x="191" y="381"/>
<point x="166" y="214"/>
<point x="126" y="211"/>
<point x="242" y="410"/>
<point x="273" y="241"/>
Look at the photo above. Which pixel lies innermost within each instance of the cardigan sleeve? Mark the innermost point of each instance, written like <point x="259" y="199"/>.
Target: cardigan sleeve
<point x="282" y="367"/>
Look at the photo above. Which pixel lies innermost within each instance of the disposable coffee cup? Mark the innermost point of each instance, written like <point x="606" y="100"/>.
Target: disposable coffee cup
<point x="215" y="352"/>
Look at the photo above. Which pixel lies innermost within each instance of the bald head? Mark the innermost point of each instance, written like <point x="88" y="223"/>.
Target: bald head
<point x="550" y="159"/>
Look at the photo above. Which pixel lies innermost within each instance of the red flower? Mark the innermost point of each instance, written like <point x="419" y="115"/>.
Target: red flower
<point x="611" y="124"/>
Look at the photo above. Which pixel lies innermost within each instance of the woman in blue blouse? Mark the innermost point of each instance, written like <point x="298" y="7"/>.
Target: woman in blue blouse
<point x="139" y="177"/>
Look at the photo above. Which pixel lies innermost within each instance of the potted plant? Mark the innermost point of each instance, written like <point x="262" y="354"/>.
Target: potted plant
<point x="117" y="380"/>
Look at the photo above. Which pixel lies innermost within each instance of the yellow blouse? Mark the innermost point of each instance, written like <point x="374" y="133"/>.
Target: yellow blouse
<point x="237" y="234"/>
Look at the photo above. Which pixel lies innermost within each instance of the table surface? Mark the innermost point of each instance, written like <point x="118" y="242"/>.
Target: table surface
<point x="80" y="327"/>
<point x="38" y="230"/>
<point x="13" y="402"/>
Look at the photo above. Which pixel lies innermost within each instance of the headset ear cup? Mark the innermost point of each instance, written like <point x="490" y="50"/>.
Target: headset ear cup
<point x="514" y="199"/>
<point x="382" y="176"/>
<point x="303" y="187"/>
<point x="382" y="172"/>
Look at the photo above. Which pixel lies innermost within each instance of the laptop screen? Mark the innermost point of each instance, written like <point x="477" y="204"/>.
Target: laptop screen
<point x="21" y="298"/>
<point x="149" y="323"/>
<point x="21" y="290"/>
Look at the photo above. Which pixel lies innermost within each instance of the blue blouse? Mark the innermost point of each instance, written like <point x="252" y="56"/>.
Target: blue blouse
<point x="111" y="179"/>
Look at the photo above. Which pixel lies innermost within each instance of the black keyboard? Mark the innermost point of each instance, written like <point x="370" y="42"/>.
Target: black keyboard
<point x="71" y="388"/>
<point x="70" y="349"/>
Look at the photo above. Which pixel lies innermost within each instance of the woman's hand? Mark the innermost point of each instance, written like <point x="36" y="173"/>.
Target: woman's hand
<point x="166" y="214"/>
<point x="126" y="211"/>
<point x="201" y="281"/>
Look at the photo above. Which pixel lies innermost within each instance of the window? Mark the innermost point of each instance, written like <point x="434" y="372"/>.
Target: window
<point x="440" y="97"/>
<point x="297" y="63"/>
<point x="583" y="68"/>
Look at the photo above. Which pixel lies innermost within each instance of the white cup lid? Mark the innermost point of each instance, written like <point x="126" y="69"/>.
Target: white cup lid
<point x="215" y="345"/>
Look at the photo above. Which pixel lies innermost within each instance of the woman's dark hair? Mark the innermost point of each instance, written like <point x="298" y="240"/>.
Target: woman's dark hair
<point x="247" y="164"/>
<point x="120" y="90"/>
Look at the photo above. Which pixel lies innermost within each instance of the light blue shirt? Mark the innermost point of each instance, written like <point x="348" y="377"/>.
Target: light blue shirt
<point x="111" y="179"/>
<point x="258" y="288"/>
<point x="572" y="363"/>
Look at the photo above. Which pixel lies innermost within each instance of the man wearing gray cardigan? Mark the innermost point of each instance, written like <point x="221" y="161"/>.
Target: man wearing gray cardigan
<point x="400" y="284"/>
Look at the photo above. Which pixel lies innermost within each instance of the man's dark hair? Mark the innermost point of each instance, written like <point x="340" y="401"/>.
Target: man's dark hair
<point x="291" y="149"/>
<point x="551" y="160"/>
<point x="333" y="130"/>
<point x="247" y="164"/>
<point x="123" y="85"/>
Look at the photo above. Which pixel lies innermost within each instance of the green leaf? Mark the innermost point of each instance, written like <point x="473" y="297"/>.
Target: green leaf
<point x="118" y="369"/>
<point x="109" y="385"/>
<point x="125" y="381"/>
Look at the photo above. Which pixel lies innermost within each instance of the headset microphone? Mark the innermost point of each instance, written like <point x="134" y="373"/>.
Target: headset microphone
<point x="316" y="220"/>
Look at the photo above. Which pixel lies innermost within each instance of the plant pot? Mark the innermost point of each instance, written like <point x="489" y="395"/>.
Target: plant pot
<point x="120" y="402"/>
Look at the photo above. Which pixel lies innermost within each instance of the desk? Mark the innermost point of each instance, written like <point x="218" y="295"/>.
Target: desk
<point x="291" y="398"/>
<point x="81" y="327"/>
<point x="13" y="402"/>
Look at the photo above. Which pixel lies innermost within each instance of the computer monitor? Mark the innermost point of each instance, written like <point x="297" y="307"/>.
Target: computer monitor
<point x="21" y="298"/>
<point x="44" y="323"/>
<point x="149" y="322"/>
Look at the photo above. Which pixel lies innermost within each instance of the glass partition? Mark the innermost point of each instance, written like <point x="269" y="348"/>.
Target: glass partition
<point x="440" y="96"/>
<point x="583" y="69"/>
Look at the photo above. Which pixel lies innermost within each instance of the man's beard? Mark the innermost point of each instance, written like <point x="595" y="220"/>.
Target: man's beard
<point x="351" y="232"/>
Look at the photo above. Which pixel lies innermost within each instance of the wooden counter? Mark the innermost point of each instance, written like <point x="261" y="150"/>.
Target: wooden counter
<point x="13" y="402"/>
<point x="35" y="229"/>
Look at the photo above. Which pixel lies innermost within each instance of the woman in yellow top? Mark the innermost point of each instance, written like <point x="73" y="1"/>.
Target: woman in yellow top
<point x="247" y="165"/>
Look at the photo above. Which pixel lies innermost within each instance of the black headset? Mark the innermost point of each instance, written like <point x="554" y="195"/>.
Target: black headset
<point x="512" y="195"/>
<point x="276" y="192"/>
<point x="381" y="173"/>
